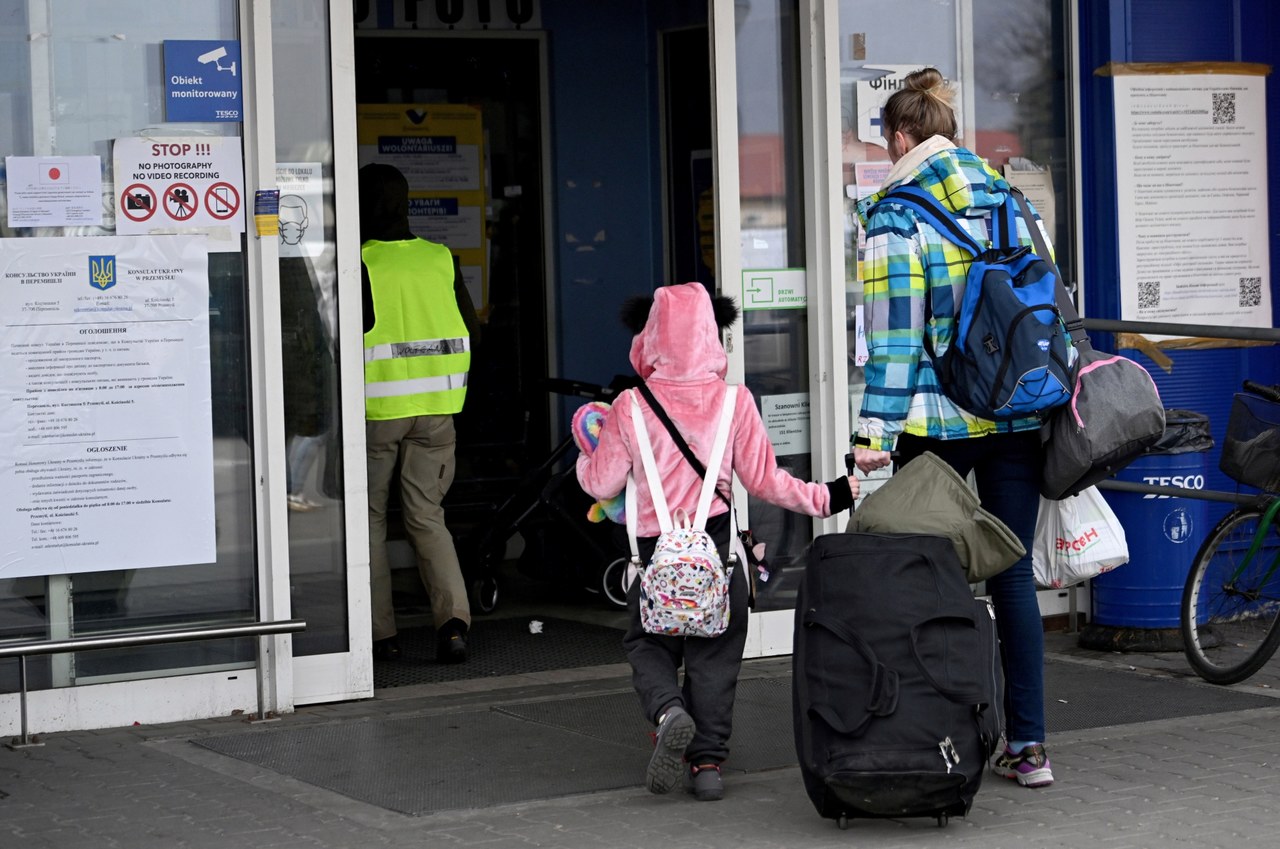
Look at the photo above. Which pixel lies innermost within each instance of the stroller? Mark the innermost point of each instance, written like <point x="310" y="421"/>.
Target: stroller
<point x="548" y="509"/>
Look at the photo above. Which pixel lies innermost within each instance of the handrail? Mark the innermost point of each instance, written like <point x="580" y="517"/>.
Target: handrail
<point x="1162" y="328"/>
<point x="1182" y="492"/>
<point x="146" y="638"/>
<point x="21" y="649"/>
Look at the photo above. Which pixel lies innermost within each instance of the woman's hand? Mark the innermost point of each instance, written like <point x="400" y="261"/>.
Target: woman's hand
<point x="854" y="486"/>
<point x="868" y="460"/>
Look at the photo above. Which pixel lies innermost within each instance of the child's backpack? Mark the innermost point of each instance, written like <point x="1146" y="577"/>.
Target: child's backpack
<point x="684" y="589"/>
<point x="1009" y="356"/>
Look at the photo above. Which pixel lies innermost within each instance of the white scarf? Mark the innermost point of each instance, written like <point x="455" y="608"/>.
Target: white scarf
<point x="914" y="158"/>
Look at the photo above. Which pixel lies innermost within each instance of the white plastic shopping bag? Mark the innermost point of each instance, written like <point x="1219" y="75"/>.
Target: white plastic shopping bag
<point x="1077" y="538"/>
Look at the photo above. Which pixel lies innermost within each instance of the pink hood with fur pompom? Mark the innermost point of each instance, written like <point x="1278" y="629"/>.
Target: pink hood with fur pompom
<point x="679" y="355"/>
<point x="680" y="341"/>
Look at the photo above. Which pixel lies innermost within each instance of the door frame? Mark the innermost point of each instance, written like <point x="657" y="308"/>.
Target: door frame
<point x="770" y="632"/>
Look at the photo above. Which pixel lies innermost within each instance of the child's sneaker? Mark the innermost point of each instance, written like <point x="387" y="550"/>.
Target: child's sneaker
<point x="1030" y="767"/>
<point x="666" y="765"/>
<point x="706" y="783"/>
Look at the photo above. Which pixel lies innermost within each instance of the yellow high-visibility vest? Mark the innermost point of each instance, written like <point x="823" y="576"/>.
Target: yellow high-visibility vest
<point x="418" y="353"/>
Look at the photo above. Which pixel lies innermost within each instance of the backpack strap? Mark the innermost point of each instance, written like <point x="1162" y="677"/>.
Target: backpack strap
<point x="710" y="479"/>
<point x="1004" y="224"/>
<point x="1066" y="306"/>
<point x="655" y="485"/>
<point x="677" y="438"/>
<point x="650" y="468"/>
<point x="924" y="204"/>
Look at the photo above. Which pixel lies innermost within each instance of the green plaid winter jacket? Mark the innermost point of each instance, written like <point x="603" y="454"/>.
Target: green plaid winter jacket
<point x="903" y="255"/>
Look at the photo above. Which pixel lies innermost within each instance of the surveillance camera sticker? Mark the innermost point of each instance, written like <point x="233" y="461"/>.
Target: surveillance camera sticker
<point x="202" y="81"/>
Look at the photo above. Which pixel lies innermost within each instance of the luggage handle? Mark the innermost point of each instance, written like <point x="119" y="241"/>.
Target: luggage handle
<point x="955" y="694"/>
<point x="883" y="699"/>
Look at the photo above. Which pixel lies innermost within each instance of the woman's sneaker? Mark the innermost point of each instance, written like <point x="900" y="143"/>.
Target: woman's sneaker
<point x="666" y="764"/>
<point x="1030" y="767"/>
<point x="705" y="782"/>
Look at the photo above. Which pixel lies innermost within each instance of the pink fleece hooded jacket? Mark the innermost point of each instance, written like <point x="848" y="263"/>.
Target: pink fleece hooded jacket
<point x="679" y="355"/>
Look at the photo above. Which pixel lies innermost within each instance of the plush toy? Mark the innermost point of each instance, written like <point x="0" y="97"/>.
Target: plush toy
<point x="588" y="421"/>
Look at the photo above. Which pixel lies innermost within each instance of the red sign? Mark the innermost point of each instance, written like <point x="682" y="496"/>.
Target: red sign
<point x="181" y="201"/>
<point x="138" y="202"/>
<point x="222" y="200"/>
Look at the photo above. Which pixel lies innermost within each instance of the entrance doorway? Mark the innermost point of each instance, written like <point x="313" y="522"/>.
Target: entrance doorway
<point x="552" y="569"/>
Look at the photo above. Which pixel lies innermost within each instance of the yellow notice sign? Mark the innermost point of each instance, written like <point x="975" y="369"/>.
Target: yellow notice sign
<point x="440" y="150"/>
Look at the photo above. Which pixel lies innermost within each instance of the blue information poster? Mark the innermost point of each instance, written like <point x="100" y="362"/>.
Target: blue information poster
<point x="202" y="81"/>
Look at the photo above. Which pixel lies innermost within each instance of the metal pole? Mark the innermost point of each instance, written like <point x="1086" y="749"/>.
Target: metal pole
<point x="25" y="741"/>
<point x="148" y="638"/>
<point x="261" y="715"/>
<point x="1211" y="331"/>
<point x="128" y="640"/>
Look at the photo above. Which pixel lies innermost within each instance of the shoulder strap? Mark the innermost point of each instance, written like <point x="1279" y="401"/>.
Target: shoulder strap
<point x="699" y="469"/>
<point x="1066" y="306"/>
<point x="924" y="204"/>
<point x="717" y="455"/>
<point x="650" y="468"/>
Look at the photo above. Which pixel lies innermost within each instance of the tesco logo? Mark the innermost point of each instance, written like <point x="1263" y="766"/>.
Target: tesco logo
<point x="1181" y="481"/>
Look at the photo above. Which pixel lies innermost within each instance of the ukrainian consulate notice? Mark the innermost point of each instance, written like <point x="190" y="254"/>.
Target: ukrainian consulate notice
<point x="106" y="444"/>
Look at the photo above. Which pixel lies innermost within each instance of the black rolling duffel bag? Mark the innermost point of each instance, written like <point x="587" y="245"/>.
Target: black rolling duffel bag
<point x="896" y="682"/>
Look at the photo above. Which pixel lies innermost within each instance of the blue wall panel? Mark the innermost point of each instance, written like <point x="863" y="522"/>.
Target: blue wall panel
<point x="1159" y="30"/>
<point x="604" y="128"/>
<point x="607" y="173"/>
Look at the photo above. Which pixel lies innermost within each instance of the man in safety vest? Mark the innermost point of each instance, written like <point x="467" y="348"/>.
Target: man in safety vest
<point x="417" y="351"/>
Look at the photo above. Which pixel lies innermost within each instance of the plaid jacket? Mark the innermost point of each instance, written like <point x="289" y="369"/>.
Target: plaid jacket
<point x="903" y="255"/>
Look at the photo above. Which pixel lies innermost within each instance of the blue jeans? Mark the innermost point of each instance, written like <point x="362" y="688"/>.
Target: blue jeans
<point x="1006" y="467"/>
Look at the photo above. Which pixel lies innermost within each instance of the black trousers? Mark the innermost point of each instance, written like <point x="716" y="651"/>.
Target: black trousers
<point x="711" y="665"/>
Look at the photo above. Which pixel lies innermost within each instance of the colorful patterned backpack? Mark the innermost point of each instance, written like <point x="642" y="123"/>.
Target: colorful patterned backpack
<point x="684" y="589"/>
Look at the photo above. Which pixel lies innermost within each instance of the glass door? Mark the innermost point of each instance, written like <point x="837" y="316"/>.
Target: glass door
<point x="125" y="162"/>
<point x="320" y="368"/>
<point x="769" y="128"/>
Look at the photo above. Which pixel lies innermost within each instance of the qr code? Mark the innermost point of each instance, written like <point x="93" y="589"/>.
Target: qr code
<point x="1224" y="107"/>
<point x="1250" y="291"/>
<point x="1149" y="293"/>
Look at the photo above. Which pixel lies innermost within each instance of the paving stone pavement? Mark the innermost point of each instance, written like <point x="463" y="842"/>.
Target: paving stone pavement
<point x="1209" y="781"/>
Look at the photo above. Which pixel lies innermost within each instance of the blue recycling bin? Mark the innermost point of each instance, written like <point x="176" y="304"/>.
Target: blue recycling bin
<point x="1163" y="534"/>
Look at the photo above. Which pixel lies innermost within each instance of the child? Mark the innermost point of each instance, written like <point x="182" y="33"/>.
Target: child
<point x="677" y="352"/>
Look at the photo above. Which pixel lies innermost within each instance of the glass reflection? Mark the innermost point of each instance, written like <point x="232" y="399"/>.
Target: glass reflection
<point x="308" y="325"/>
<point x="775" y="340"/>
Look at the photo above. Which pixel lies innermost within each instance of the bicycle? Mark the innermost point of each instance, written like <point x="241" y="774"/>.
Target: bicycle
<point x="1230" y="617"/>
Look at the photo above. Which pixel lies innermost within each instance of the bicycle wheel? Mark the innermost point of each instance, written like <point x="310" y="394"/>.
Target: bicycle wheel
<point x="1231" y="604"/>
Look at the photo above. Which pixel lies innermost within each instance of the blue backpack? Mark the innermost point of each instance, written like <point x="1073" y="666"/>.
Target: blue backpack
<point x="1010" y="355"/>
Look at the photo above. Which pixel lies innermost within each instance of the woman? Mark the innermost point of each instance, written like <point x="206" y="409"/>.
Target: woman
<point x="904" y="409"/>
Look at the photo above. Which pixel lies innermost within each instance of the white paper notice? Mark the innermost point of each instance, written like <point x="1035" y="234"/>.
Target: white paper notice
<point x="107" y="457"/>
<point x="301" y="186"/>
<point x="189" y="184"/>
<point x="786" y="418"/>
<point x="54" y="191"/>
<point x="1191" y="163"/>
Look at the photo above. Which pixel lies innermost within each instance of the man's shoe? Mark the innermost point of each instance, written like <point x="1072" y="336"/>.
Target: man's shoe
<point x="451" y="642"/>
<point x="1029" y="767"/>
<point x="705" y="782"/>
<point x="666" y="764"/>
<point x="388" y="649"/>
